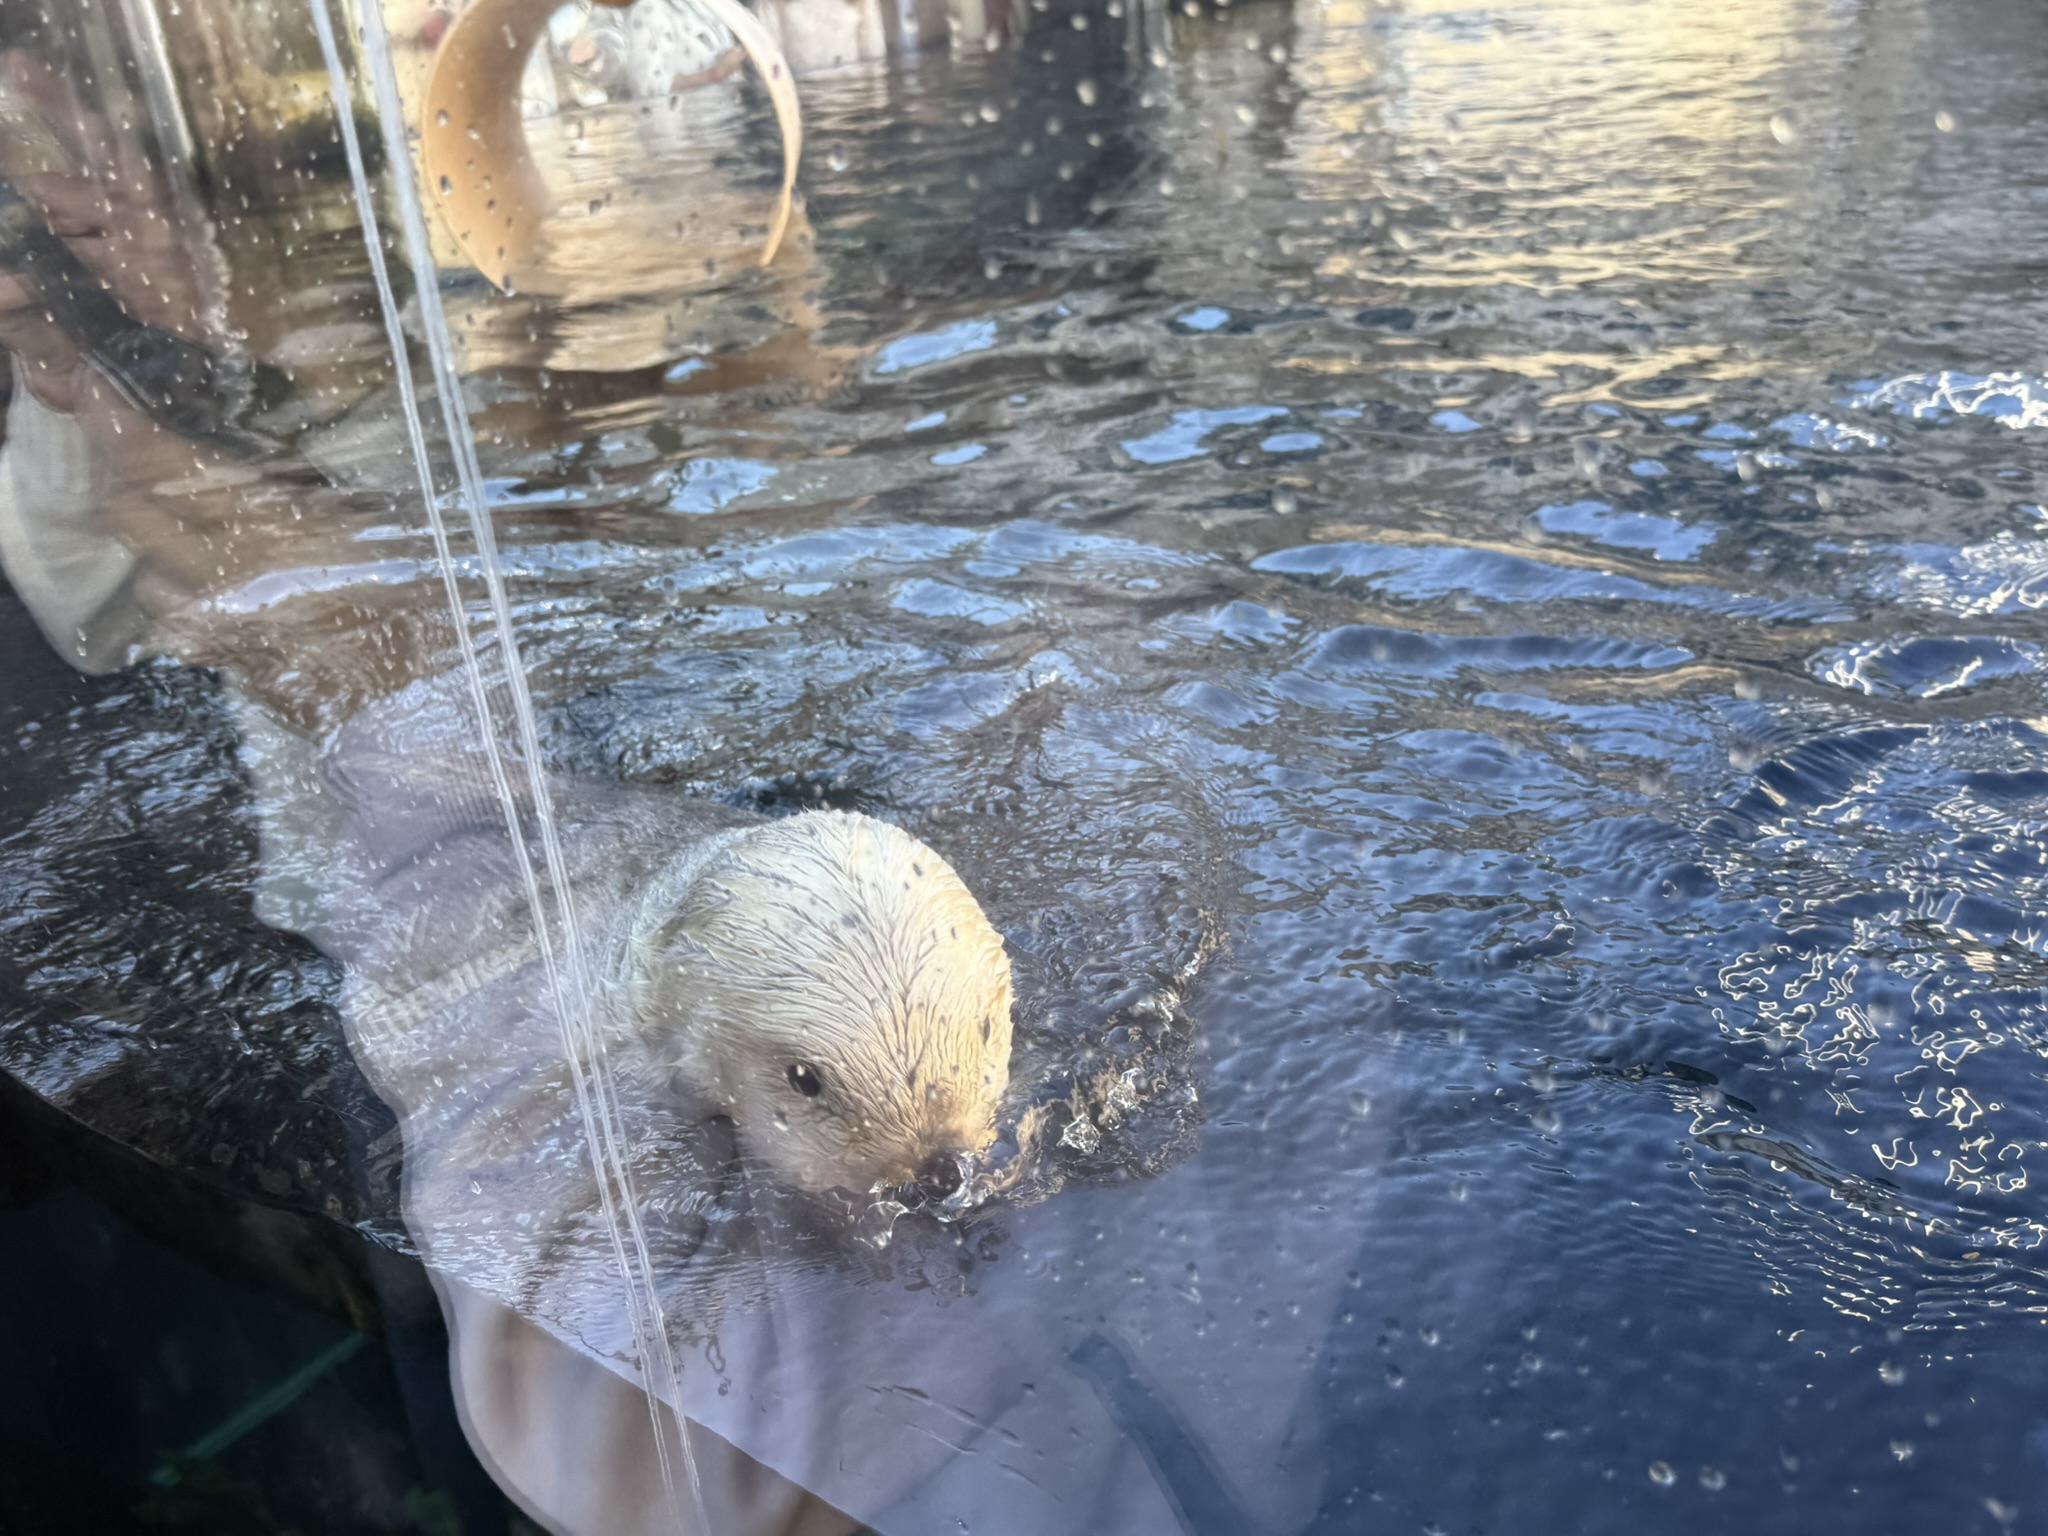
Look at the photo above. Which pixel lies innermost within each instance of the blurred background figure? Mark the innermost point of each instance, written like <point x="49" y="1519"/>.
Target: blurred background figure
<point x="190" y="411"/>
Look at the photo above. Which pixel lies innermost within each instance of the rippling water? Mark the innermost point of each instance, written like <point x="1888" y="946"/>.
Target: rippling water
<point x="1525" y="519"/>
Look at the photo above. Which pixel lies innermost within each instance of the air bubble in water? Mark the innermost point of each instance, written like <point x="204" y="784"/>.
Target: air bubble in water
<point x="1713" y="1479"/>
<point x="1891" y="1373"/>
<point x="836" y="160"/>
<point x="1661" y="1474"/>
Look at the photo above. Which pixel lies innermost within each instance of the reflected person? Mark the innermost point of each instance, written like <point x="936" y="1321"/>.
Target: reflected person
<point x="824" y="983"/>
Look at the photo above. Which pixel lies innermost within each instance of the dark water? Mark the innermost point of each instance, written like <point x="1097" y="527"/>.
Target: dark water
<point x="1529" y="520"/>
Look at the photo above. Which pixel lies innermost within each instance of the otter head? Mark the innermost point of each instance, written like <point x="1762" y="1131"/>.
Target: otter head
<point x="831" y="984"/>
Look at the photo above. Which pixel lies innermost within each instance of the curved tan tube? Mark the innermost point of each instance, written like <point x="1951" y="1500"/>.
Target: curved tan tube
<point x="479" y="170"/>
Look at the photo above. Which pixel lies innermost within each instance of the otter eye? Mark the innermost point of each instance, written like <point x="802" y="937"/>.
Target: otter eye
<point x="804" y="1078"/>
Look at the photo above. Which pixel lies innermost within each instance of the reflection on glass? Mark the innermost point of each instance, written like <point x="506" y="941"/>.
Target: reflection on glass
<point x="1489" y="557"/>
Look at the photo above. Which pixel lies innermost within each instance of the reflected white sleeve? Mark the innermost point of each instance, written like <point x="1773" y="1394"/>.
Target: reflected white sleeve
<point x="70" y="573"/>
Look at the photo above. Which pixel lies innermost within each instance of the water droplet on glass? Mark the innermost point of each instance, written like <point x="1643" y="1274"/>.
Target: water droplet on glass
<point x="1661" y="1474"/>
<point x="1891" y="1373"/>
<point x="1088" y="93"/>
<point x="836" y="160"/>
<point x="447" y="186"/>
<point x="441" y="118"/>
<point x="1285" y="502"/>
<point x="1783" y="130"/>
<point x="1902" y="1450"/>
<point x="1713" y="1479"/>
<point x="1361" y="1104"/>
<point x="1944" y="122"/>
<point x="989" y="112"/>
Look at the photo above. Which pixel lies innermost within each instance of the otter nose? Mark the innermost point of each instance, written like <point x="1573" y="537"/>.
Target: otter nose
<point x="938" y="1177"/>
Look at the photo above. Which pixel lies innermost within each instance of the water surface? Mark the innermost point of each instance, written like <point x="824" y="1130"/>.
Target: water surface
<point x="1527" y="521"/>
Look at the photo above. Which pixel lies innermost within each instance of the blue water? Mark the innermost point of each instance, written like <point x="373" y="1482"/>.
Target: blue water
<point x="1529" y="520"/>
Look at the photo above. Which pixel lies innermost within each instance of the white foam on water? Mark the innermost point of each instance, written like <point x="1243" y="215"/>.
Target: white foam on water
<point x="562" y="953"/>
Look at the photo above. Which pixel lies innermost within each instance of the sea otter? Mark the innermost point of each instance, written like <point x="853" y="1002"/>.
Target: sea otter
<point x="823" y="980"/>
<point x="829" y="982"/>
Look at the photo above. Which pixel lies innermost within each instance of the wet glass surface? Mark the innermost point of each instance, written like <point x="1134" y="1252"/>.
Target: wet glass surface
<point x="1490" y="557"/>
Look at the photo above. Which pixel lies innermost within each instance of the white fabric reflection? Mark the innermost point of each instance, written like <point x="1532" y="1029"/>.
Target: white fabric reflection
<point x="1133" y="1358"/>
<point x="71" y="575"/>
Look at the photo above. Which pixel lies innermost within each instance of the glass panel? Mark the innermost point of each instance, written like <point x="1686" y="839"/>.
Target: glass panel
<point x="1038" y="767"/>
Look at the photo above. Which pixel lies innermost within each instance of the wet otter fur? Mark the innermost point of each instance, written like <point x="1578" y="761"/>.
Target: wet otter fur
<point x="829" y="982"/>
